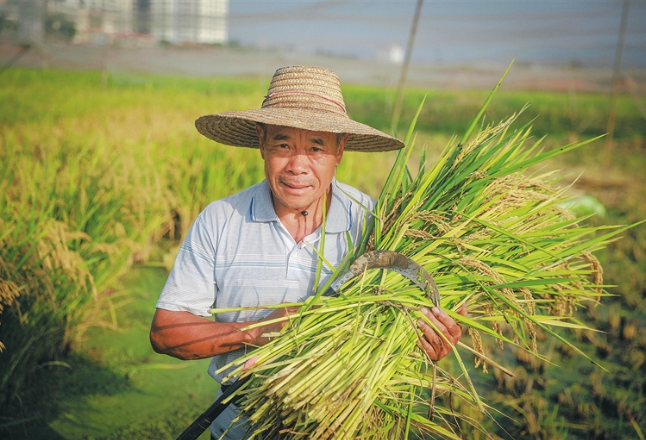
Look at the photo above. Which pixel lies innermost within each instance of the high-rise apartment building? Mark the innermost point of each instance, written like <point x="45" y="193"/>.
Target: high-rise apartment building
<point x="173" y="21"/>
<point x="182" y="21"/>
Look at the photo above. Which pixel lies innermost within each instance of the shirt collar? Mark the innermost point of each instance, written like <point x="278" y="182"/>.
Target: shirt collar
<point x="337" y="220"/>
<point x="262" y="209"/>
<point x="338" y="217"/>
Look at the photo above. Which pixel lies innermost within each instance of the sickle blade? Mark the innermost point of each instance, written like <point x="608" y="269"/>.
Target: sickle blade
<point x="390" y="260"/>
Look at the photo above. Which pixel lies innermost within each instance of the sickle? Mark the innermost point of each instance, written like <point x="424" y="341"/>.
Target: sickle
<point x="390" y="260"/>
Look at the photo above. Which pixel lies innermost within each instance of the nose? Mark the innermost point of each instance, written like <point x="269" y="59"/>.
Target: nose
<point x="298" y="162"/>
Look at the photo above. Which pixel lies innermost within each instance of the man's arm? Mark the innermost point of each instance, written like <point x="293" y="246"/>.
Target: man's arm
<point x="187" y="336"/>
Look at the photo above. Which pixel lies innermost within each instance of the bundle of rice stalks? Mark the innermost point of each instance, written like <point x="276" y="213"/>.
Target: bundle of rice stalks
<point x="348" y="366"/>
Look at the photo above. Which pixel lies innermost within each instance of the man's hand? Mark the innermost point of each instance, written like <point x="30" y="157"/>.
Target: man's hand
<point x="276" y="327"/>
<point x="433" y="343"/>
<point x="269" y="328"/>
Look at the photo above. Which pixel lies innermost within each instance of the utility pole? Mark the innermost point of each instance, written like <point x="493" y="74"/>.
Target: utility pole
<point x="402" y="78"/>
<point x="616" y="78"/>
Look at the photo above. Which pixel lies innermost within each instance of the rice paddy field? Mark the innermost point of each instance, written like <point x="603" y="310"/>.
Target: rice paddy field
<point x="101" y="177"/>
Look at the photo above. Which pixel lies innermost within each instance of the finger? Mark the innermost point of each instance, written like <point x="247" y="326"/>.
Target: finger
<point x="429" y="349"/>
<point x="432" y="342"/>
<point x="290" y="310"/>
<point x="250" y="363"/>
<point x="463" y="310"/>
<point x="449" y="328"/>
<point x="432" y="316"/>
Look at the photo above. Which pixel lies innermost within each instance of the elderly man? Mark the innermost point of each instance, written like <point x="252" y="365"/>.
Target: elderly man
<point x="259" y="246"/>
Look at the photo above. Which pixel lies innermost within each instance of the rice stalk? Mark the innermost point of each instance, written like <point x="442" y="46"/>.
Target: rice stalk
<point x="492" y="235"/>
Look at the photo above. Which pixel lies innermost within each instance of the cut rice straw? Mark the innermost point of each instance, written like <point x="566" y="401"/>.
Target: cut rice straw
<point x="349" y="365"/>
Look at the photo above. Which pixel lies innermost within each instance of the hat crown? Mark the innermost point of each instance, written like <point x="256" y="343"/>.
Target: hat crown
<point x="306" y="87"/>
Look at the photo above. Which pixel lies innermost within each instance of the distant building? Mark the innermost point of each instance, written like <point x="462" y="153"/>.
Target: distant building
<point x="23" y="19"/>
<point x="97" y="21"/>
<point x="189" y="21"/>
<point x="101" y="21"/>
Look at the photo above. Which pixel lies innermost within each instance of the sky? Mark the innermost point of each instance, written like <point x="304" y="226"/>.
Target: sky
<point x="565" y="32"/>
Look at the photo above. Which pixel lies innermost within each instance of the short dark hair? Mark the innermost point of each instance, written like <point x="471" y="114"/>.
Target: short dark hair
<point x="263" y="127"/>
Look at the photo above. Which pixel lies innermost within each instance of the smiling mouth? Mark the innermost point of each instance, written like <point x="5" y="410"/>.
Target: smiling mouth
<point x="294" y="186"/>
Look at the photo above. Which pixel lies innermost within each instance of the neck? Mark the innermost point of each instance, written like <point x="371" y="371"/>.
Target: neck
<point x="301" y="222"/>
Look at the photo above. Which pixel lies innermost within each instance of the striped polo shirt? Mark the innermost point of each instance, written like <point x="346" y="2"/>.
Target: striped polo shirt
<point x="237" y="253"/>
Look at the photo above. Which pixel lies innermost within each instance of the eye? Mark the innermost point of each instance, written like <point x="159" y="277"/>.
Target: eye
<point x="283" y="146"/>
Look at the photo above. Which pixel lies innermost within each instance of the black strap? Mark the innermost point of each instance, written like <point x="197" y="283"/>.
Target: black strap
<point x="225" y="387"/>
<point x="204" y="420"/>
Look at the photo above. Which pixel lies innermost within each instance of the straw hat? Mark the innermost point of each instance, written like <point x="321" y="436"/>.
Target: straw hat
<point x="300" y="97"/>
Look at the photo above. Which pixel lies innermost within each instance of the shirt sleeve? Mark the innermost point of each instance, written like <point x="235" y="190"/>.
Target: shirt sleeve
<point x="191" y="284"/>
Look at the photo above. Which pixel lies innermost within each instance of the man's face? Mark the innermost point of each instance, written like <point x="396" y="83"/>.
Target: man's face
<point x="299" y="165"/>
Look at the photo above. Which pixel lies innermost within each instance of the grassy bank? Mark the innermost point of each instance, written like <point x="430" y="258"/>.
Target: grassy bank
<point x="96" y="180"/>
<point x="114" y="385"/>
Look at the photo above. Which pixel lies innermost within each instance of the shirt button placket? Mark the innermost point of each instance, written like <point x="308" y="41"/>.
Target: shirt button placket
<point x="289" y="259"/>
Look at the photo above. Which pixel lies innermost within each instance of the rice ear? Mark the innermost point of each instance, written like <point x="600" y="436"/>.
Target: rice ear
<point x="492" y="237"/>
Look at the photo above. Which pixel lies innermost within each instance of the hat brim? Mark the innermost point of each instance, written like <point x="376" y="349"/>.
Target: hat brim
<point x="239" y="128"/>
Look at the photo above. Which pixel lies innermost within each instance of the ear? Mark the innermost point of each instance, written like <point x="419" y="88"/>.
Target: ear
<point x="261" y="135"/>
<point x="341" y="148"/>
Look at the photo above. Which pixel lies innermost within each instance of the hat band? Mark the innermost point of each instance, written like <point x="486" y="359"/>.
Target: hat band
<point x="302" y="92"/>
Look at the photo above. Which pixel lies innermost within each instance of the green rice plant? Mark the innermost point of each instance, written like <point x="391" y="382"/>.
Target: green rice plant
<point x="449" y="111"/>
<point x="494" y="236"/>
<point x="91" y="178"/>
<point x="200" y="175"/>
<point x="34" y="263"/>
<point x="77" y="212"/>
<point x="90" y="181"/>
